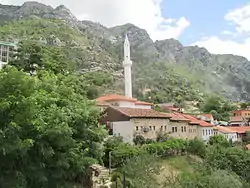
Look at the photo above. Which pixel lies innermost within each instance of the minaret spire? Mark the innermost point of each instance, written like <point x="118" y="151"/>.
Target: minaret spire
<point x="127" y="64"/>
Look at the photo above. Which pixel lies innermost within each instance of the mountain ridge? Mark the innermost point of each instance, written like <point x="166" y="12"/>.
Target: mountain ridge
<point x="224" y="74"/>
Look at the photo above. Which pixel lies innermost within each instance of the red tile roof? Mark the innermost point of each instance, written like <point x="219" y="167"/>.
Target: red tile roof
<point x="194" y="120"/>
<point x="208" y="116"/>
<point x="224" y="129"/>
<point x="115" y="97"/>
<point x="236" y="119"/>
<point x="241" y="111"/>
<point x="243" y="129"/>
<point x="140" y="112"/>
<point x="179" y="118"/>
<point x="143" y="103"/>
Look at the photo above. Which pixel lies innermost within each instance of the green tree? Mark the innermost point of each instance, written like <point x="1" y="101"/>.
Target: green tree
<point x="49" y="132"/>
<point x="218" y="140"/>
<point x="33" y="56"/>
<point x="147" y="168"/>
<point x="197" y="147"/>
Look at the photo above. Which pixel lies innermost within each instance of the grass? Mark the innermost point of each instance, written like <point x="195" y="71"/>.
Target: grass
<point x="179" y="163"/>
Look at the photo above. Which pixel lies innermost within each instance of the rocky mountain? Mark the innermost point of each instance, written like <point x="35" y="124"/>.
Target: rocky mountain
<point x="95" y="47"/>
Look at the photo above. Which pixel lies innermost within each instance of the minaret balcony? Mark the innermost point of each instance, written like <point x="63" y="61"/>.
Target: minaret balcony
<point x="127" y="63"/>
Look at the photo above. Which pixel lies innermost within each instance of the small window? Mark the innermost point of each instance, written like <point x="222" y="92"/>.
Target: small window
<point x="185" y="129"/>
<point x="165" y="128"/>
<point x="137" y="128"/>
<point x="154" y="128"/>
<point x="182" y="129"/>
<point x="172" y="129"/>
<point x="175" y="129"/>
<point x="206" y="132"/>
<point x="203" y="132"/>
<point x="150" y="127"/>
<point x="161" y="128"/>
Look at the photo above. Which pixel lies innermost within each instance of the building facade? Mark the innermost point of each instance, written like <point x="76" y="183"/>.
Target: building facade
<point x="6" y="50"/>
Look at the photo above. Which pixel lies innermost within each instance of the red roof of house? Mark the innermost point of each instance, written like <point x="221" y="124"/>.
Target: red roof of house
<point x="194" y="120"/>
<point x="224" y="129"/>
<point x="236" y="119"/>
<point x="115" y="97"/>
<point x="140" y="112"/>
<point x="179" y="118"/>
<point x="241" y="111"/>
<point x="243" y="129"/>
<point x="209" y="116"/>
<point x="143" y="103"/>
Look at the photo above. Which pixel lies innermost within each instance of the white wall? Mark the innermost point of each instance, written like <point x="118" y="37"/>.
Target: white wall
<point x="228" y="136"/>
<point x="143" y="106"/>
<point x="205" y="133"/>
<point x="126" y="104"/>
<point x="124" y="129"/>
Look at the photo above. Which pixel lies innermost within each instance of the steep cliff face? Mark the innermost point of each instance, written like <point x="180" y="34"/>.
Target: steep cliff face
<point x="96" y="47"/>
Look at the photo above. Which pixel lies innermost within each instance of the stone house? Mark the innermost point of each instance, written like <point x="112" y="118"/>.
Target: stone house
<point x="200" y="129"/>
<point x="240" y="118"/>
<point x="129" y="122"/>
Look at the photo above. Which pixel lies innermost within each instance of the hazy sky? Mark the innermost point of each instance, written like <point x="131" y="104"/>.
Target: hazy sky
<point x="221" y="26"/>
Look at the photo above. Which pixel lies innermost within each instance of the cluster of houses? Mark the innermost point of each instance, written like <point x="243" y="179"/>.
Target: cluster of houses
<point x="128" y="117"/>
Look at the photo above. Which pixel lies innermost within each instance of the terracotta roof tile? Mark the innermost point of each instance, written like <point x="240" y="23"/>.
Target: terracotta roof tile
<point x="115" y="97"/>
<point x="143" y="103"/>
<point x="224" y="129"/>
<point x="243" y="129"/>
<point x="194" y="120"/>
<point x="140" y="112"/>
<point x="241" y="111"/>
<point x="236" y="119"/>
<point x="208" y="116"/>
<point x="178" y="117"/>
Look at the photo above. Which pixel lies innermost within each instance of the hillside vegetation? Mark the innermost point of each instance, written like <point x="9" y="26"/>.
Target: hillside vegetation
<point x="93" y="47"/>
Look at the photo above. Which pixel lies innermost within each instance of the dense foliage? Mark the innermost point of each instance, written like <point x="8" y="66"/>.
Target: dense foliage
<point x="220" y="108"/>
<point x="49" y="131"/>
<point x="167" y="86"/>
<point x="218" y="164"/>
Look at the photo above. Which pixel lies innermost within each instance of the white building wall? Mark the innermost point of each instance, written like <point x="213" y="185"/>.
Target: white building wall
<point x="205" y="133"/>
<point x="143" y="106"/>
<point x="126" y="104"/>
<point x="124" y="129"/>
<point x="228" y="136"/>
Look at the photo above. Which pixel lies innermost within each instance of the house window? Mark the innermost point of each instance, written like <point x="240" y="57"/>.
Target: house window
<point x="185" y="129"/>
<point x="150" y="127"/>
<point x="154" y="128"/>
<point x="206" y="132"/>
<point x="182" y="129"/>
<point x="161" y="128"/>
<point x="165" y="128"/>
<point x="137" y="128"/>
<point x="172" y="129"/>
<point x="203" y="132"/>
<point x="175" y="129"/>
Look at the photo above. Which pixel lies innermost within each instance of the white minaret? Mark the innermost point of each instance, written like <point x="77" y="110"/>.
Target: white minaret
<point x="127" y="64"/>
